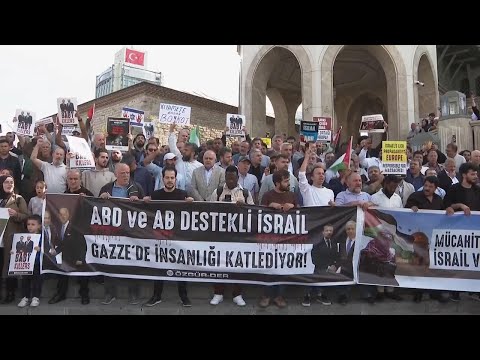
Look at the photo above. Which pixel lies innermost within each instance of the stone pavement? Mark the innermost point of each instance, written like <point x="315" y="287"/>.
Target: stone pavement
<point x="200" y="295"/>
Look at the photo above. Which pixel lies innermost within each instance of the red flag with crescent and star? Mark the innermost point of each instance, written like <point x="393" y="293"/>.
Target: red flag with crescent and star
<point x="135" y="57"/>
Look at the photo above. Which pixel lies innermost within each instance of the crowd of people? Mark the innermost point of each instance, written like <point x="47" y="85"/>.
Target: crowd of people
<point x="286" y="176"/>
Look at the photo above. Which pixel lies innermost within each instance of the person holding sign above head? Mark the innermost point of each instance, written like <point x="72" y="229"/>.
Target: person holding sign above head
<point x="170" y="193"/>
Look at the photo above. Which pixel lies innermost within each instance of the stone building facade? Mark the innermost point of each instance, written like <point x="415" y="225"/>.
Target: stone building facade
<point x="340" y="81"/>
<point x="208" y="114"/>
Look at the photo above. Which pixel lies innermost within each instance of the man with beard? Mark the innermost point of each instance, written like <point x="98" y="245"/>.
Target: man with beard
<point x="236" y="147"/>
<point x="115" y="158"/>
<point x="98" y="141"/>
<point x="244" y="148"/>
<point x="375" y="183"/>
<point x="55" y="174"/>
<point x="427" y="199"/>
<point x="387" y="198"/>
<point x="169" y="192"/>
<point x="280" y="199"/>
<point x="186" y="162"/>
<point x="257" y="143"/>
<point x="464" y="196"/>
<point x="97" y="178"/>
<point x="281" y="163"/>
<point x="138" y="151"/>
<point x="329" y="174"/>
<point x="354" y="196"/>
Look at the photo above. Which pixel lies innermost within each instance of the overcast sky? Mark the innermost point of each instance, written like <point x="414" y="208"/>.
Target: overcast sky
<point x="33" y="77"/>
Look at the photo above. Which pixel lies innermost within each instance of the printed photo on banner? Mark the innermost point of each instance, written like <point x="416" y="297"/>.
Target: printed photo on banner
<point x="67" y="109"/>
<point x="83" y="157"/>
<point x="424" y="250"/>
<point x="117" y="134"/>
<point x="256" y="245"/>
<point x="394" y="157"/>
<point x="235" y="125"/>
<point x="148" y="128"/>
<point x="48" y="122"/>
<point x="373" y="124"/>
<point x="25" y="122"/>
<point x="64" y="247"/>
<point x="308" y="131"/>
<point x="23" y="254"/>
<point x="178" y="114"/>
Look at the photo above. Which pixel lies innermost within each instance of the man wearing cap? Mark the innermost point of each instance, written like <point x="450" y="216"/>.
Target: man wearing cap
<point x="169" y="159"/>
<point x="386" y="198"/>
<point x="246" y="180"/>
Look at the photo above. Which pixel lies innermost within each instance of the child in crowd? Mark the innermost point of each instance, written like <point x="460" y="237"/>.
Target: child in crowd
<point x="32" y="284"/>
<point x="35" y="206"/>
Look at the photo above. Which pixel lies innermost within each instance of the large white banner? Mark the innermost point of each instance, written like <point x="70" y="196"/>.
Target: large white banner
<point x="198" y="255"/>
<point x="178" y="114"/>
<point x="23" y="254"/>
<point x="83" y="157"/>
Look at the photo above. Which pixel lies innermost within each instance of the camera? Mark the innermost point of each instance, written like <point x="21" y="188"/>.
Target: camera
<point x="419" y="83"/>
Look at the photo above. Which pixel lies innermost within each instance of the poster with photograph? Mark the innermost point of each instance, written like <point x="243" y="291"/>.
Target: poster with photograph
<point x="25" y="122"/>
<point x="177" y="114"/>
<point x="148" y="128"/>
<point x="67" y="108"/>
<point x="117" y="134"/>
<point x="83" y="157"/>
<point x="23" y="254"/>
<point x="373" y="124"/>
<point x="235" y="125"/>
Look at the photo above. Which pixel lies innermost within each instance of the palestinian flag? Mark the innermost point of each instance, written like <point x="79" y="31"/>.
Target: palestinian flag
<point x="343" y="162"/>
<point x="376" y="221"/>
<point x="195" y="136"/>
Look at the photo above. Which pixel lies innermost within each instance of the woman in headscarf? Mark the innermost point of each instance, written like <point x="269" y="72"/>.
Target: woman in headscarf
<point x="18" y="212"/>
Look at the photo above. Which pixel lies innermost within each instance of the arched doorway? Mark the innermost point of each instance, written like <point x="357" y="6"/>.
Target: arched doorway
<point x="426" y="89"/>
<point x="282" y="73"/>
<point x="350" y="71"/>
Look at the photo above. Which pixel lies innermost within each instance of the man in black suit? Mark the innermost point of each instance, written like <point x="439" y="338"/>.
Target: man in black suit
<point x="63" y="108"/>
<point x="449" y="176"/>
<point x="324" y="256"/>
<point x="29" y="245"/>
<point x="70" y="109"/>
<point x="20" y="247"/>
<point x="73" y="250"/>
<point x="21" y="118"/>
<point x="50" y="236"/>
<point x="28" y="119"/>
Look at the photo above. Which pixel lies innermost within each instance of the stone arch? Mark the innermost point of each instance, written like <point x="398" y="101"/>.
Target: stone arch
<point x="257" y="82"/>
<point x="393" y="66"/>
<point x="426" y="98"/>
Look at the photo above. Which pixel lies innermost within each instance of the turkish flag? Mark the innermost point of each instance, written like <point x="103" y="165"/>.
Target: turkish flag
<point x="135" y="57"/>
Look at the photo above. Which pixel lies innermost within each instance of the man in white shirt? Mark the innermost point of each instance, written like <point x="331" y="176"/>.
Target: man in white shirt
<point x="55" y="174"/>
<point x="452" y="150"/>
<point x="186" y="162"/>
<point x="367" y="162"/>
<point x="315" y="194"/>
<point x="387" y="198"/>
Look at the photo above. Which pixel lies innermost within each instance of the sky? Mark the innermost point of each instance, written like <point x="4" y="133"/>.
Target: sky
<point x="33" y="77"/>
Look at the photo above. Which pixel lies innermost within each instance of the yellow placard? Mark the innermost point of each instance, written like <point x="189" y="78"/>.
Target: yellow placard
<point x="394" y="157"/>
<point x="268" y="142"/>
